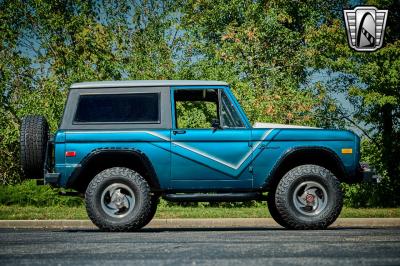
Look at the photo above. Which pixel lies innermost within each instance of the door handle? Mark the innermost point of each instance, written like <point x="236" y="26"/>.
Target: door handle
<point x="178" y="132"/>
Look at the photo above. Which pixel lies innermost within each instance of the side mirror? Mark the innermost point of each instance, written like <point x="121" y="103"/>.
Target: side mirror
<point x="215" y="124"/>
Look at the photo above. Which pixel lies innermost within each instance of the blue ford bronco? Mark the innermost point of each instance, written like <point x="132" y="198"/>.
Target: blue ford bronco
<point x="125" y="144"/>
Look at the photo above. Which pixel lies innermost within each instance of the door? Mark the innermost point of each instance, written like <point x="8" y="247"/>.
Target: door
<point x="210" y="142"/>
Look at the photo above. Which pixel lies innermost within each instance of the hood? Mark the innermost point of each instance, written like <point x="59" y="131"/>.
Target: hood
<point x="273" y="125"/>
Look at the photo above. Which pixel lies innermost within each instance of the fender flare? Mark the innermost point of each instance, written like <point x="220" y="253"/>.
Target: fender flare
<point x="99" y="152"/>
<point x="271" y="178"/>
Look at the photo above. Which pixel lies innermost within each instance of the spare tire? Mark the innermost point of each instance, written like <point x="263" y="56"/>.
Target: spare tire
<point x="33" y="139"/>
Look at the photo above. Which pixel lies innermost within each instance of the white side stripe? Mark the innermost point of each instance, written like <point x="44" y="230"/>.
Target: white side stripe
<point x="233" y="166"/>
<point x="120" y="131"/>
<point x="192" y="149"/>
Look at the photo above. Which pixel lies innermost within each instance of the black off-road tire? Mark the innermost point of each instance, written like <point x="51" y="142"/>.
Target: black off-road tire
<point x="153" y="209"/>
<point x="142" y="210"/>
<point x="34" y="136"/>
<point x="273" y="211"/>
<point x="290" y="216"/>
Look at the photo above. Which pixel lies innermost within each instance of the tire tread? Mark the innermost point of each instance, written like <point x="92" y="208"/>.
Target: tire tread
<point x="282" y="190"/>
<point x="144" y="212"/>
<point x="33" y="141"/>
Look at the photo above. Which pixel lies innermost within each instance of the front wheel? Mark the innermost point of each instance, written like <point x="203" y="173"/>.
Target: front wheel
<point x="119" y="199"/>
<point x="308" y="197"/>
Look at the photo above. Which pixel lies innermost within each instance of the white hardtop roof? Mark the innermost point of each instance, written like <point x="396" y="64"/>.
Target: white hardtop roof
<point x="146" y="83"/>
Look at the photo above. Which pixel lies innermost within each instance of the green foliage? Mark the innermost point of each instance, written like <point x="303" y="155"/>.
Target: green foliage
<point x="257" y="47"/>
<point x="195" y="114"/>
<point x="382" y="194"/>
<point x="46" y="45"/>
<point x="371" y="82"/>
<point x="29" y="194"/>
<point x="370" y="195"/>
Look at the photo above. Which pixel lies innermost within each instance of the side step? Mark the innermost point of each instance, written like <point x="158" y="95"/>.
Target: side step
<point x="216" y="197"/>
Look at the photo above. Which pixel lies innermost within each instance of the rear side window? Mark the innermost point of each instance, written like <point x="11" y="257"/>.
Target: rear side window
<point x="118" y="108"/>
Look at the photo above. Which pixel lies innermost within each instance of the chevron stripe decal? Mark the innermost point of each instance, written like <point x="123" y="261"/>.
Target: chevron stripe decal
<point x="189" y="148"/>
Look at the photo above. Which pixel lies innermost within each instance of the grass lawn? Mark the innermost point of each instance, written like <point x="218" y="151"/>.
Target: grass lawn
<point x="42" y="213"/>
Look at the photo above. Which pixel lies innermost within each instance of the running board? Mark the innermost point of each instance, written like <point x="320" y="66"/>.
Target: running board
<point x="217" y="197"/>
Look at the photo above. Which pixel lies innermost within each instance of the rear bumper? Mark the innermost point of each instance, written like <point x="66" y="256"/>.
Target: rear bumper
<point x="366" y="174"/>
<point x="52" y="179"/>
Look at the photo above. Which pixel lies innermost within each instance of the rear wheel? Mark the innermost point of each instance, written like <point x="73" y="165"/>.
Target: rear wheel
<point x="308" y="197"/>
<point x="34" y="135"/>
<point x="153" y="209"/>
<point x="118" y="199"/>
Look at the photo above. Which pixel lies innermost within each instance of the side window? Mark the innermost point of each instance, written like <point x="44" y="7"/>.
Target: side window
<point x="118" y="108"/>
<point x="229" y="116"/>
<point x="195" y="108"/>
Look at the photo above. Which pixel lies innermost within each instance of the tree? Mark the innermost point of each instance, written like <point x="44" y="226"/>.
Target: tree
<point x="259" y="47"/>
<point x="372" y="84"/>
<point x="47" y="45"/>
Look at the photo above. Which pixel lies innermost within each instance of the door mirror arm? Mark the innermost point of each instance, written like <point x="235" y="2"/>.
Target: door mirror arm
<point x="216" y="124"/>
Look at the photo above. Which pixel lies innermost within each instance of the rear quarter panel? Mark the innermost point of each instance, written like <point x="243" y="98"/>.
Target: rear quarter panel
<point x="154" y="144"/>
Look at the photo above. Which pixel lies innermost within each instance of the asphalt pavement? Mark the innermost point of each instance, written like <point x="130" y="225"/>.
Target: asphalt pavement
<point x="201" y="246"/>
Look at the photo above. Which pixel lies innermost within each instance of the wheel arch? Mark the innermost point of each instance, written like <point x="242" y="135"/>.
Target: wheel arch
<point x="103" y="158"/>
<point x="317" y="155"/>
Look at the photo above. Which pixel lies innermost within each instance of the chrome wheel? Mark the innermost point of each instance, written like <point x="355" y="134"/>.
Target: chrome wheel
<point x="118" y="200"/>
<point x="310" y="198"/>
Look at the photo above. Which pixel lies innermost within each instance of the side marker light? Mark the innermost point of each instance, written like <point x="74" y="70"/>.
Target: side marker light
<point x="70" y="153"/>
<point x="347" y="151"/>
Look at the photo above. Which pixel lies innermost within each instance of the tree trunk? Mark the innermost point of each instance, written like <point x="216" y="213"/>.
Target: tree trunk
<point x="390" y="157"/>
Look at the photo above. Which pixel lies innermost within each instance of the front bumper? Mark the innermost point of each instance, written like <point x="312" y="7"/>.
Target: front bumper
<point x="365" y="173"/>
